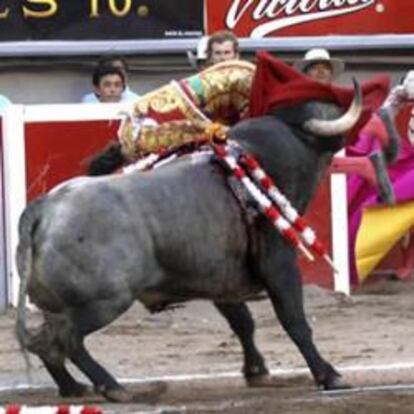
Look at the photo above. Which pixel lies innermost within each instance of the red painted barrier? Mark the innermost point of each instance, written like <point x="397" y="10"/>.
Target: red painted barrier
<point x="57" y="151"/>
<point x="319" y="216"/>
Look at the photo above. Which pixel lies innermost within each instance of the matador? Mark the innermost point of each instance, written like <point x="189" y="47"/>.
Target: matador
<point x="182" y="111"/>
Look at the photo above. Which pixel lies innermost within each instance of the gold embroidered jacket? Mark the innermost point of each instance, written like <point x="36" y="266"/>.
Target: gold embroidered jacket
<point x="181" y="111"/>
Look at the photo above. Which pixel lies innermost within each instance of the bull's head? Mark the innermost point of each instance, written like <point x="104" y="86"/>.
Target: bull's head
<point x="329" y="128"/>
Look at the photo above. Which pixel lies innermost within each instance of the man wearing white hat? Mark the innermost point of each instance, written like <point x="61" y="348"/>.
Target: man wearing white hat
<point x="319" y="65"/>
<point x="197" y="61"/>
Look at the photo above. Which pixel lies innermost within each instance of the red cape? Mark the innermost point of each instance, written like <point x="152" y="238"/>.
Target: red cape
<point x="276" y="83"/>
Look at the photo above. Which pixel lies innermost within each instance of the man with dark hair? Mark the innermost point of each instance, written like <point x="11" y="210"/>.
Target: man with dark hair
<point x="109" y="83"/>
<point x="120" y="63"/>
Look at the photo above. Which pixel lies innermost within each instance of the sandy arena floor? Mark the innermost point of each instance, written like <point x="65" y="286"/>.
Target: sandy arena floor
<point x="187" y="360"/>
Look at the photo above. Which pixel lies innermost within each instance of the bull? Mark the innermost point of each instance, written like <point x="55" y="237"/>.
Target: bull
<point x="90" y="248"/>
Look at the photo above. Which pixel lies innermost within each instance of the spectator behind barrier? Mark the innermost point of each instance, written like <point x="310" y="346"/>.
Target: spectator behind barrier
<point x="120" y="63"/>
<point x="222" y="46"/>
<point x="109" y="84"/>
<point x="219" y="47"/>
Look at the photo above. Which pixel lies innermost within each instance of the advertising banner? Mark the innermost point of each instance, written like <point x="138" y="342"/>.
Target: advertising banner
<point x="289" y="18"/>
<point x="31" y="20"/>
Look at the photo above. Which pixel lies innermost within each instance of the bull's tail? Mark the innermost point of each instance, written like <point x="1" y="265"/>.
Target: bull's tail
<point x="27" y="225"/>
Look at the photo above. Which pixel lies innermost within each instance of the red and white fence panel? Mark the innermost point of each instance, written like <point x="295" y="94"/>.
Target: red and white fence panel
<point x="50" y="409"/>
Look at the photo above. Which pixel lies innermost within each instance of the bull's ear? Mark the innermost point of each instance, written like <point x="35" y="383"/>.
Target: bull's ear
<point x="329" y="128"/>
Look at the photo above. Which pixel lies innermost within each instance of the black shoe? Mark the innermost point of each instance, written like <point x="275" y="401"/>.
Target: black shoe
<point x="385" y="190"/>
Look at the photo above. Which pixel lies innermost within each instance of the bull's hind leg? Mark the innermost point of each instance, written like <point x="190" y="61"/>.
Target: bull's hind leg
<point x="68" y="386"/>
<point x="62" y="336"/>
<point x="283" y="283"/>
<point x="88" y="319"/>
<point x="49" y="345"/>
<point x="104" y="382"/>
<point x="241" y="322"/>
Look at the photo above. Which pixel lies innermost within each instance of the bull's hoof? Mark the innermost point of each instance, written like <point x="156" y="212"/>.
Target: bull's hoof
<point x="150" y="393"/>
<point x="262" y="381"/>
<point x="119" y="395"/>
<point x="335" y="383"/>
<point x="76" y="390"/>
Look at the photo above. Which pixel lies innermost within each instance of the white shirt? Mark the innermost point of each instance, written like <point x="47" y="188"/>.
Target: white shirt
<point x="3" y="103"/>
<point x="127" y="96"/>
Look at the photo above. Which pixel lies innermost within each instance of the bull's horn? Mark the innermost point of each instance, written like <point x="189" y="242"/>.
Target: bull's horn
<point x="327" y="128"/>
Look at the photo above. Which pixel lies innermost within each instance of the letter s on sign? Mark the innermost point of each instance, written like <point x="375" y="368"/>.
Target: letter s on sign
<point x="50" y="11"/>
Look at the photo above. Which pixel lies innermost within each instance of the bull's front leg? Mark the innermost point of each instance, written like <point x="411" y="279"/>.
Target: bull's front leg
<point x="282" y="280"/>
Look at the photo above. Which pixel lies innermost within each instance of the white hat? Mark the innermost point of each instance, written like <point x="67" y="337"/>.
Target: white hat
<point x="202" y="48"/>
<point x="194" y="59"/>
<point x="320" y="55"/>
